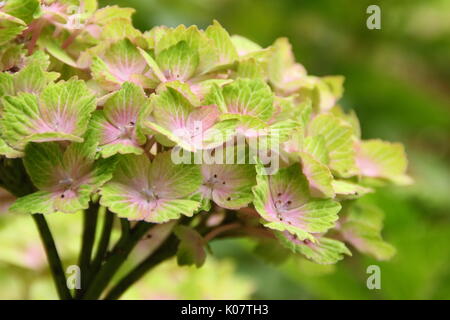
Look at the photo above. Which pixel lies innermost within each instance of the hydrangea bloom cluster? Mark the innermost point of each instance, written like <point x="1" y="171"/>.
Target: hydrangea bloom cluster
<point x="95" y="109"/>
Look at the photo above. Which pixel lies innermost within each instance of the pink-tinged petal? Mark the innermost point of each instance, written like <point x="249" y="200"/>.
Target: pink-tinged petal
<point x="192" y="128"/>
<point x="117" y="124"/>
<point x="65" y="177"/>
<point x="284" y="201"/>
<point x="124" y="71"/>
<point x="117" y="134"/>
<point x="154" y="192"/>
<point x="228" y="185"/>
<point x="366" y="165"/>
<point x="207" y="115"/>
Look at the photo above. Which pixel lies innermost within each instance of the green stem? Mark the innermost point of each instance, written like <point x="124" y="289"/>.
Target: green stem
<point x="167" y="250"/>
<point x="120" y="253"/>
<point x="89" y="226"/>
<point x="52" y="257"/>
<point x="102" y="248"/>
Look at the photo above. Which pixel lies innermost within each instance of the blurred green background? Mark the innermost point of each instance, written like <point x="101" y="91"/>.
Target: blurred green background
<point x="397" y="80"/>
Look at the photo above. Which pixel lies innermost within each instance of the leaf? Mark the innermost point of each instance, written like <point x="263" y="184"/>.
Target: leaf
<point x="284" y="73"/>
<point x="191" y="249"/>
<point x="22" y="9"/>
<point x="228" y="185"/>
<point x="7" y="151"/>
<point x="33" y="79"/>
<point x="105" y="15"/>
<point x="9" y="29"/>
<point x="195" y="39"/>
<point x="121" y="29"/>
<point x="361" y="227"/>
<point x="121" y="62"/>
<point x="284" y="202"/>
<point x="65" y="179"/>
<point x="61" y="112"/>
<point x="244" y="46"/>
<point x="153" y="65"/>
<point x="226" y="51"/>
<point x="380" y="159"/>
<point x="349" y="190"/>
<point x="178" y="62"/>
<point x="155" y="191"/>
<point x="192" y="128"/>
<point x="118" y="124"/>
<point x="54" y="49"/>
<point x="249" y="97"/>
<point x="322" y="251"/>
<point x="338" y="139"/>
<point x="251" y="69"/>
<point x="319" y="176"/>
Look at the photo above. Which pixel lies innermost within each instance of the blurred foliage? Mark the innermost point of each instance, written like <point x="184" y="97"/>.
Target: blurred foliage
<point x="397" y="80"/>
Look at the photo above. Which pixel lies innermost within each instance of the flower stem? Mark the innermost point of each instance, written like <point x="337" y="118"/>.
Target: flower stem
<point x="118" y="256"/>
<point x="89" y="226"/>
<point x="52" y="257"/>
<point x="102" y="248"/>
<point x="165" y="251"/>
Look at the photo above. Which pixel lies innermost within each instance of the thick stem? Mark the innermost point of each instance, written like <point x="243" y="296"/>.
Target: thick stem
<point x="115" y="260"/>
<point x="52" y="257"/>
<point x="89" y="226"/>
<point x="167" y="250"/>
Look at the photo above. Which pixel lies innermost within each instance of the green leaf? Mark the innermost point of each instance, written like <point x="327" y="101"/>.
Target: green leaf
<point x="284" y="202"/>
<point x="226" y="51"/>
<point x="119" y="63"/>
<point x="153" y="65"/>
<point x="349" y="190"/>
<point x="55" y="50"/>
<point x="9" y="30"/>
<point x="178" y="62"/>
<point x="195" y="39"/>
<point x="228" y="185"/>
<point x="381" y="159"/>
<point x="284" y="73"/>
<point x="251" y="69"/>
<point x="191" y="128"/>
<point x="250" y="97"/>
<point x="319" y="176"/>
<point x="191" y="250"/>
<point x="244" y="46"/>
<point x="7" y="151"/>
<point x="155" y="191"/>
<point x="118" y="125"/>
<point x="362" y="226"/>
<point x="66" y="179"/>
<point x="61" y="112"/>
<point x="23" y="9"/>
<point x="322" y="251"/>
<point x="338" y="138"/>
<point x="106" y="15"/>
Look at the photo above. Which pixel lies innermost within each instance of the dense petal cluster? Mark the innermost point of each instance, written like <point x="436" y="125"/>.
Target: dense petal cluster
<point x="97" y="108"/>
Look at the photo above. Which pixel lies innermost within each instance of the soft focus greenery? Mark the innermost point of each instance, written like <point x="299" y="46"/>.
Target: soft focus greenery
<point x="397" y="80"/>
